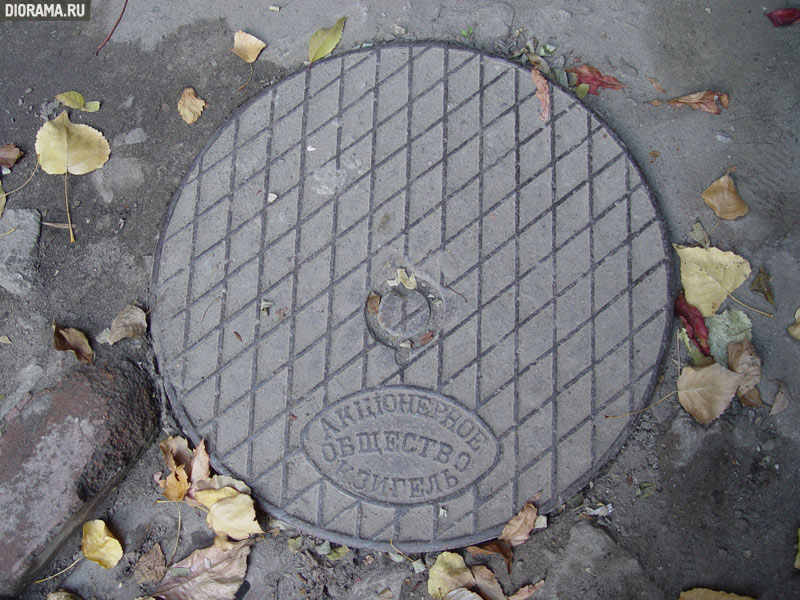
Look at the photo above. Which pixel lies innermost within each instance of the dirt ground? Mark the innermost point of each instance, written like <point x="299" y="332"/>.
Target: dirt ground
<point x="722" y="511"/>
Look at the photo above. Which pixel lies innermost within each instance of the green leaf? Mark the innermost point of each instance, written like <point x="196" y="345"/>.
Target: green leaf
<point x="582" y="90"/>
<point x="76" y="100"/>
<point x="546" y="50"/>
<point x="645" y="489"/>
<point x="337" y="553"/>
<point x="561" y="76"/>
<point x="572" y="78"/>
<point x="295" y="543"/>
<point x="325" y="40"/>
<point x="729" y="326"/>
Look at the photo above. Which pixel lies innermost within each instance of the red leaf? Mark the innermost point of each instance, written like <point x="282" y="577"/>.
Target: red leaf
<point x="784" y="16"/>
<point x="595" y="79"/>
<point x="693" y="322"/>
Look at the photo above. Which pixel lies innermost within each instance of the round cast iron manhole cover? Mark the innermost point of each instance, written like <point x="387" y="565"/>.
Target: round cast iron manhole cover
<point x="398" y="304"/>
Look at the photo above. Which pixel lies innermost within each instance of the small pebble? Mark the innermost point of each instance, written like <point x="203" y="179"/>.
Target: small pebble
<point x="723" y="137"/>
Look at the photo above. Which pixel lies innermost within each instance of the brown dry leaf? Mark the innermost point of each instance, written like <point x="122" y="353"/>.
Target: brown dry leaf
<point x="705" y="392"/>
<point x="73" y="340"/>
<point x="542" y="93"/>
<point x="99" y="545"/>
<point x="131" y="322"/>
<point x="62" y="595"/>
<point x="190" y="105"/>
<point x="176" y="484"/>
<point x="246" y="46"/>
<point x="709" y="275"/>
<point x="385" y="594"/>
<point x="214" y="572"/>
<point x="722" y="197"/>
<point x="706" y="594"/>
<point x="501" y="547"/>
<point x="760" y="285"/>
<point x="488" y="586"/>
<point x="705" y="101"/>
<point x="782" y="398"/>
<point x="201" y="468"/>
<point x="742" y="359"/>
<point x="66" y="147"/>
<point x="656" y="85"/>
<point x="527" y="591"/>
<point x="234" y="516"/>
<point x="751" y="398"/>
<point x="9" y="154"/>
<point x="448" y="573"/>
<point x="794" y="328"/>
<point x="519" y="527"/>
<point x="151" y="567"/>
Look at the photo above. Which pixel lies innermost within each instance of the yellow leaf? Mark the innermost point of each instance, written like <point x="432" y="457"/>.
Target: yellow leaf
<point x="176" y="484"/>
<point x="220" y="481"/>
<point x="246" y="46"/>
<point x="709" y="275"/>
<point x="234" y="516"/>
<point x="66" y="147"/>
<point x="705" y="392"/>
<point x="794" y="328"/>
<point x="190" y="105"/>
<point x="76" y="100"/>
<point x="325" y="40"/>
<point x="2" y="200"/>
<point x="73" y="340"/>
<point x="99" y="544"/>
<point x="209" y="497"/>
<point x="722" y="197"/>
<point x="448" y="573"/>
<point x="518" y="529"/>
<point x="706" y="594"/>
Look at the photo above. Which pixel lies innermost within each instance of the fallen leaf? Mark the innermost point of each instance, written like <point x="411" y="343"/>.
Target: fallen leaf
<point x="99" y="544"/>
<point x="542" y="94"/>
<point x="751" y="398"/>
<point x="705" y="392"/>
<point x="603" y="510"/>
<point x="62" y="595"/>
<point x="729" y="326"/>
<point x="760" y="285"/>
<point x="373" y="303"/>
<point x="782" y="17"/>
<point x="656" y="85"/>
<point x="66" y="147"/>
<point x="217" y="482"/>
<point x="246" y="46"/>
<point x="722" y="197"/>
<point x="645" y="489"/>
<point x="323" y="548"/>
<point x="337" y="553"/>
<point x="709" y="275"/>
<point x="527" y="591"/>
<point x="706" y="594"/>
<point x="295" y="544"/>
<point x="797" y="558"/>
<point x="501" y="547"/>
<point x="175" y="450"/>
<point x="200" y="467"/>
<point x="448" y="573"/>
<point x="385" y="594"/>
<point x="595" y="79"/>
<point x="695" y="355"/>
<point x="176" y="484"/>
<point x="794" y="328"/>
<point x="654" y="154"/>
<point x="705" y="101"/>
<point x="518" y="529"/>
<point x="9" y="154"/>
<point x="151" y="567"/>
<point x="2" y="200"/>
<point x="692" y="322"/>
<point x="213" y="572"/>
<point x="190" y="105"/>
<point x="581" y="90"/>
<point x="234" y="517"/>
<point x="325" y="40"/>
<point x="782" y="398"/>
<point x="418" y="566"/>
<point x="76" y="100"/>
<point x="742" y="359"/>
<point x="699" y="235"/>
<point x="73" y="340"/>
<point x="210" y="497"/>
<point x="488" y="586"/>
<point x="462" y="594"/>
<point x="4" y="339"/>
<point x="131" y="322"/>
<point x="540" y="522"/>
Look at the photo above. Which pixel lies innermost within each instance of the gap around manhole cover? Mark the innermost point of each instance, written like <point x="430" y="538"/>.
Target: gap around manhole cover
<point x="535" y="297"/>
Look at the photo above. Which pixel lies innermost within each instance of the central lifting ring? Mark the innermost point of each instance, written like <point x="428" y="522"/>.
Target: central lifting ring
<point x="407" y="282"/>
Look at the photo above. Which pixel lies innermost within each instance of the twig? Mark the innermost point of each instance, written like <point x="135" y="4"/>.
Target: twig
<point x="391" y="543"/>
<point x="27" y="181"/>
<point x="113" y="29"/>
<point x="12" y="230"/>
<point x="56" y="225"/>
<point x="177" y="537"/>
<point x="69" y="220"/>
<point x="246" y="83"/>
<point x="648" y="407"/>
<point x="77" y="560"/>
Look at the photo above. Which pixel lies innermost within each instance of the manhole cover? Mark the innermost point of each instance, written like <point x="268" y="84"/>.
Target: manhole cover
<point x="398" y="305"/>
